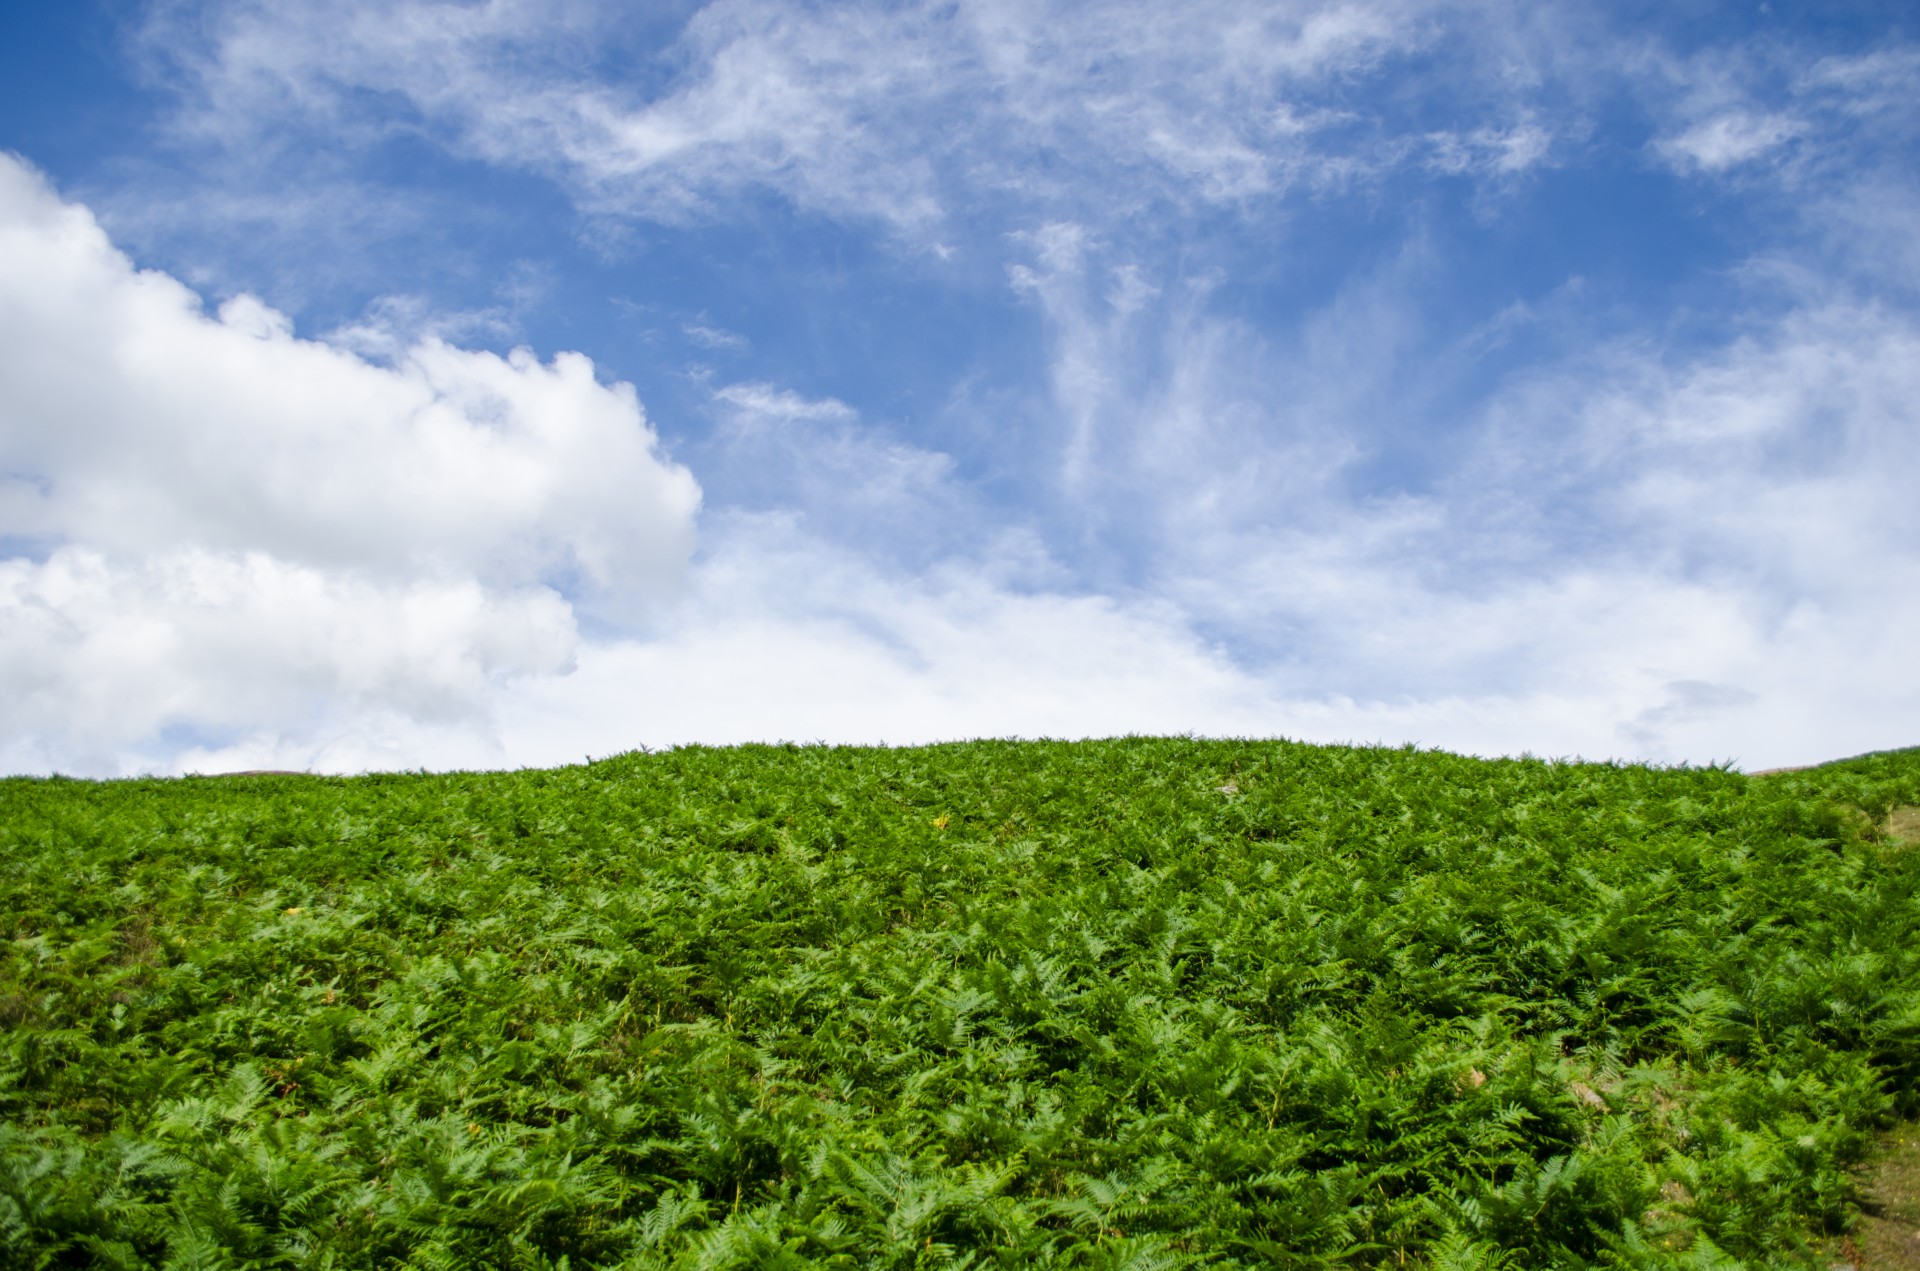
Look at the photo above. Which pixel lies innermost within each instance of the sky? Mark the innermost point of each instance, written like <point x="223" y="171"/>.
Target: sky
<point x="421" y="384"/>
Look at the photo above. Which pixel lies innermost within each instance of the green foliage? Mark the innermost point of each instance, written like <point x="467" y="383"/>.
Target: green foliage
<point x="1147" y="1003"/>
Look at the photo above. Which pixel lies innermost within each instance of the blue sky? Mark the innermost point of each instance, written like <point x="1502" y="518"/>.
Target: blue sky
<point x="476" y="384"/>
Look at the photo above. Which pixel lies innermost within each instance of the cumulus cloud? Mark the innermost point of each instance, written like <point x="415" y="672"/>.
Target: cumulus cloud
<point x="136" y="421"/>
<point x="216" y="525"/>
<point x="109" y="664"/>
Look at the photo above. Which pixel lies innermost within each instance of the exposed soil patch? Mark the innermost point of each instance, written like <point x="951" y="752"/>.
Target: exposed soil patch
<point x="1888" y="1237"/>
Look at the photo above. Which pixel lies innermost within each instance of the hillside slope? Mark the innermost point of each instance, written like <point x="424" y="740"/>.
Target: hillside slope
<point x="1137" y="1003"/>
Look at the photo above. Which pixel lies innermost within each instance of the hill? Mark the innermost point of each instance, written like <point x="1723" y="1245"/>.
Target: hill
<point x="1138" y="1003"/>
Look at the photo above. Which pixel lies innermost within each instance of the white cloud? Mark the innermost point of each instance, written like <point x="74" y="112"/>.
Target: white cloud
<point x="1629" y="552"/>
<point x="1814" y="119"/>
<point x="841" y="479"/>
<point x="709" y="337"/>
<point x="234" y="547"/>
<point x="135" y="421"/>
<point x="109" y="664"/>
<point x="1729" y="139"/>
<point x="1713" y="559"/>
<point x="1496" y="151"/>
<point x="220" y="527"/>
<point x="787" y="638"/>
<point x="901" y="113"/>
<point x="761" y="402"/>
<point x="1883" y="83"/>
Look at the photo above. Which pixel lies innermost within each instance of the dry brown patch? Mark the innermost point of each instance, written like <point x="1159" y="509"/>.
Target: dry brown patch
<point x="1888" y="1237"/>
<point x="138" y="947"/>
<point x="1903" y="825"/>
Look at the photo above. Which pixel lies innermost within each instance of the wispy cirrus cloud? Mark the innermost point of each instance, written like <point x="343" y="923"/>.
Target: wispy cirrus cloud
<point x="1730" y="137"/>
<point x="908" y="114"/>
<point x="1694" y="538"/>
<point x="1807" y="113"/>
<point x="709" y="337"/>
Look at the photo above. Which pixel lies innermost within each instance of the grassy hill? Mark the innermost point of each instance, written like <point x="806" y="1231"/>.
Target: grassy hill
<point x="1141" y="1003"/>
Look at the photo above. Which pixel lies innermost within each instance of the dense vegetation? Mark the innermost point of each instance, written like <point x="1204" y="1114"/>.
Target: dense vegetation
<point x="1141" y="1003"/>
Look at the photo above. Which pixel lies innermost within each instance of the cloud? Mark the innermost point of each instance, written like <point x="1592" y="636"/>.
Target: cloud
<point x="839" y="478"/>
<point x="1883" y="84"/>
<point x="784" y="637"/>
<point x="229" y="546"/>
<point x="1729" y="139"/>
<point x="136" y="421"/>
<point x="1498" y="151"/>
<point x="110" y="664"/>
<point x="754" y="403"/>
<point x="1578" y="553"/>
<point x="1743" y="589"/>
<point x="216" y="525"/>
<point x="904" y="114"/>
<point x="1817" y="118"/>
<point x="1627" y="555"/>
<point x="708" y="337"/>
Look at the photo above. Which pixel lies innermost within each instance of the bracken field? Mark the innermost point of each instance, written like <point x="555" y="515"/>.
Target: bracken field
<point x="1144" y="1003"/>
